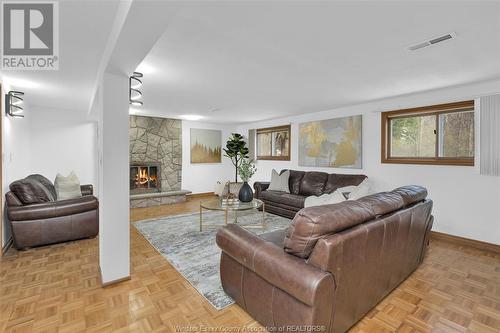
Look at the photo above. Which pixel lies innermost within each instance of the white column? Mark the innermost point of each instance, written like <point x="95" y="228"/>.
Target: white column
<point x="114" y="224"/>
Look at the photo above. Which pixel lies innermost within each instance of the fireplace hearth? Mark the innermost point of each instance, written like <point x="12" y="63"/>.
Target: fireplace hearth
<point x="145" y="178"/>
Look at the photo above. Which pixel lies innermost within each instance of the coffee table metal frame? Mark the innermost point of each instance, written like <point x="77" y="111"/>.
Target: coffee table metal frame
<point x="216" y="204"/>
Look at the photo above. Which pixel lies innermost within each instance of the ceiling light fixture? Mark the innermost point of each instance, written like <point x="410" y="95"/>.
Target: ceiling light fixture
<point x="432" y="41"/>
<point x="191" y="117"/>
<point x="134" y="94"/>
<point x="14" y="104"/>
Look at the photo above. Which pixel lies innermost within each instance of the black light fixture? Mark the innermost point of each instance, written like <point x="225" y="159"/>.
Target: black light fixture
<point x="14" y="104"/>
<point x="134" y="94"/>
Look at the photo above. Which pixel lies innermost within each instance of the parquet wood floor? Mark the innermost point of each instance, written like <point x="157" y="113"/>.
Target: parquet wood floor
<point x="56" y="289"/>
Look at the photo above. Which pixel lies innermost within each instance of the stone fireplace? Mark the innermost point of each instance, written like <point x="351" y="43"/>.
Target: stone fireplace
<point x="155" y="161"/>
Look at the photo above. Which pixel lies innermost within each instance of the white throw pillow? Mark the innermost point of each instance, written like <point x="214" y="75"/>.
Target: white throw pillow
<point x="362" y="190"/>
<point x="346" y="190"/>
<point x="279" y="182"/>
<point x="325" y="199"/>
<point x="67" y="187"/>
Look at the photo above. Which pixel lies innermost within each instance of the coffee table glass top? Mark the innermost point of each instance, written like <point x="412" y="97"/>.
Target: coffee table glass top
<point x="216" y="204"/>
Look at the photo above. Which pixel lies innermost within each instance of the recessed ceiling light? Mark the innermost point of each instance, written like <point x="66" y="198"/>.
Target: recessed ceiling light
<point x="145" y="68"/>
<point x="191" y="117"/>
<point x="20" y="83"/>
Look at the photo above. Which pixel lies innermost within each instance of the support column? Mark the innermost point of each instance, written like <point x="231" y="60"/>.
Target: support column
<point x="114" y="224"/>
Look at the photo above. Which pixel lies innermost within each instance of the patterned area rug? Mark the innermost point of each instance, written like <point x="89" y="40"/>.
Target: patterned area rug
<point x="195" y="254"/>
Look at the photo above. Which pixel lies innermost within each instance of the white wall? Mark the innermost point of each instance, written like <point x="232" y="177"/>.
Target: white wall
<point x="16" y="155"/>
<point x="63" y="141"/>
<point x="465" y="203"/>
<point x="202" y="177"/>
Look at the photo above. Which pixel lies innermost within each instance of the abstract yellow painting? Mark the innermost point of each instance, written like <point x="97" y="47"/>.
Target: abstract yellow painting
<point x="205" y="145"/>
<point x="331" y="143"/>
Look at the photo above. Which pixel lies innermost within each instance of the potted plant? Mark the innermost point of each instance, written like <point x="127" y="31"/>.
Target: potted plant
<point x="237" y="151"/>
<point x="246" y="169"/>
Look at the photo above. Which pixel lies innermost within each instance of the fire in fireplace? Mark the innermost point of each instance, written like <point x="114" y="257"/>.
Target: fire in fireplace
<point x="144" y="178"/>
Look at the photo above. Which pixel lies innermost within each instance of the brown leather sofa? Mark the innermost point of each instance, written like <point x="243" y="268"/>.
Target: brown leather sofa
<point x="37" y="218"/>
<point x="332" y="265"/>
<point x="302" y="184"/>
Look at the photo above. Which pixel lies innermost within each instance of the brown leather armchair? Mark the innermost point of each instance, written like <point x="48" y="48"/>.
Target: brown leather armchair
<point x="332" y="265"/>
<point x="37" y="218"/>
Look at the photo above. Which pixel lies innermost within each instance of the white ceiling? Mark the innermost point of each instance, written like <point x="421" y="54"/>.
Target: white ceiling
<point x="247" y="61"/>
<point x="84" y="28"/>
<point x="244" y="61"/>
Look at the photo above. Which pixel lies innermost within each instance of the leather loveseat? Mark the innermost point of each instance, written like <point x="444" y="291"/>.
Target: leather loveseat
<point x="301" y="185"/>
<point x="37" y="218"/>
<point x="332" y="265"/>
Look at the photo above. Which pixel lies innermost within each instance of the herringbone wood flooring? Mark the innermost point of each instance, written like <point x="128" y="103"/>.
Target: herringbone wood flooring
<point x="56" y="289"/>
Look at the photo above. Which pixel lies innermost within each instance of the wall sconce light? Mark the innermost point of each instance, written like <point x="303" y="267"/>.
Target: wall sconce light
<point x="14" y="104"/>
<point x="134" y="94"/>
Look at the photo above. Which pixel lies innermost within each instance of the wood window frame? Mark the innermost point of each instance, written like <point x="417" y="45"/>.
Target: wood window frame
<point x="426" y="110"/>
<point x="274" y="129"/>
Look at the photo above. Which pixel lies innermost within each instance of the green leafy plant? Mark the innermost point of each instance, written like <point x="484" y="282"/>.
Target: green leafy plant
<point x="247" y="169"/>
<point x="236" y="150"/>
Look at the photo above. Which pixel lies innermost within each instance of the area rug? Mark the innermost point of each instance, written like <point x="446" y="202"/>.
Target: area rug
<point x="195" y="254"/>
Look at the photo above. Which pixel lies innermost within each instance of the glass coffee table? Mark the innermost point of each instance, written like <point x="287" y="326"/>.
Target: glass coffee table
<point x="216" y="204"/>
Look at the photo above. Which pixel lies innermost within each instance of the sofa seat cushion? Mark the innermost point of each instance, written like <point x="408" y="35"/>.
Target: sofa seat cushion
<point x="281" y="197"/>
<point x="313" y="183"/>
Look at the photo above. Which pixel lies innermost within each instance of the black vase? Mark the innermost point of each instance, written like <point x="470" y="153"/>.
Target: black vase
<point x="246" y="193"/>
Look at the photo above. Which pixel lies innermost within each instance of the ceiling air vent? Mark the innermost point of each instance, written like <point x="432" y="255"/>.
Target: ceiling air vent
<point x="432" y="41"/>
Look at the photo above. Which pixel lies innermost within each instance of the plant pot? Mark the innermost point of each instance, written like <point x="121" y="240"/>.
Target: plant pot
<point x="246" y="193"/>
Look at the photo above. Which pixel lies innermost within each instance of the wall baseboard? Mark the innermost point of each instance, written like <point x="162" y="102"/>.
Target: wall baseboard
<point x="466" y="242"/>
<point x="7" y="245"/>
<point x="197" y="195"/>
<point x="109" y="283"/>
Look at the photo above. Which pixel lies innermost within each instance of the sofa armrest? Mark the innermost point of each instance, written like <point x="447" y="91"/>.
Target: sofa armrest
<point x="287" y="272"/>
<point x="259" y="187"/>
<point x="52" y="209"/>
<point x="87" y="189"/>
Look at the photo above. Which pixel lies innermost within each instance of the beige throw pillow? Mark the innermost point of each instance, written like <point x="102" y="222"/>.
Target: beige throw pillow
<point x="279" y="182"/>
<point x="67" y="187"/>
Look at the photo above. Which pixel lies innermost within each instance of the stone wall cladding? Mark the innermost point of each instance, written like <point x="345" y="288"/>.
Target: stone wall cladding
<point x="148" y="202"/>
<point x="158" y="140"/>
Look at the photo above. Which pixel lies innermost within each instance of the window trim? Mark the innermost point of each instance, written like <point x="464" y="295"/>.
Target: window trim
<point x="270" y="130"/>
<point x="426" y="110"/>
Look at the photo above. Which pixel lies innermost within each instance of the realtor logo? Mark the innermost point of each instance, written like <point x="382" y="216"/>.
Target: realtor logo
<point x="30" y="36"/>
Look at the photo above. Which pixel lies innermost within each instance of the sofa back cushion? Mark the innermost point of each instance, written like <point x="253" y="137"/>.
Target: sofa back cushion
<point x="336" y="181"/>
<point x="312" y="223"/>
<point x="30" y="191"/>
<point x="383" y="203"/>
<point x="45" y="182"/>
<point x="294" y="180"/>
<point x="313" y="183"/>
<point x="411" y="194"/>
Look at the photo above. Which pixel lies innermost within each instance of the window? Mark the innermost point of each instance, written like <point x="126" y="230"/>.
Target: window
<point x="439" y="134"/>
<point x="273" y="143"/>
